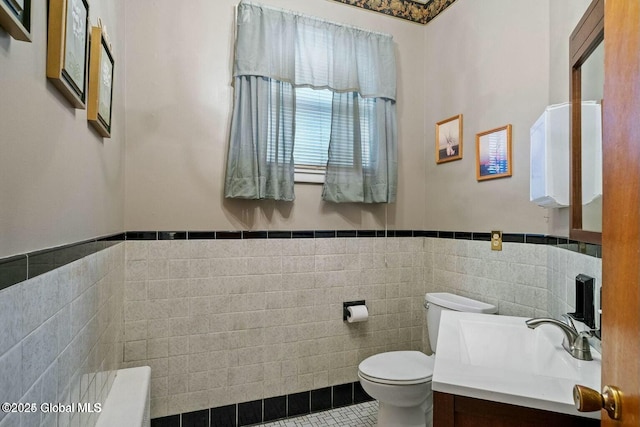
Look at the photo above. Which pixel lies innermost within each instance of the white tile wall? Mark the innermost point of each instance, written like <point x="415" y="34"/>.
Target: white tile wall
<point x="224" y="322"/>
<point x="228" y="321"/>
<point x="563" y="268"/>
<point x="514" y="279"/>
<point x="61" y="338"/>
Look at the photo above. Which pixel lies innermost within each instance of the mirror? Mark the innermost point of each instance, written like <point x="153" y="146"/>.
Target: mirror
<point x="586" y="52"/>
<point x="592" y="73"/>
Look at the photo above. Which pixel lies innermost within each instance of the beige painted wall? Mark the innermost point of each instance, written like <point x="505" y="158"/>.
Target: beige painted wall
<point x="179" y="101"/>
<point x="564" y="18"/>
<point x="59" y="181"/>
<point x="496" y="62"/>
<point x="489" y="61"/>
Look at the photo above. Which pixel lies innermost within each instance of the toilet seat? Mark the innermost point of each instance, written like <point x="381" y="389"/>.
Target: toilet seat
<point x="397" y="368"/>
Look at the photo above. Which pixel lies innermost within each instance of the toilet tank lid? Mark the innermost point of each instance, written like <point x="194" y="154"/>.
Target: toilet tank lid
<point x="459" y="303"/>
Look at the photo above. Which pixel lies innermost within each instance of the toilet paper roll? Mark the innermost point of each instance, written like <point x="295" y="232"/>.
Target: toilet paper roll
<point x="357" y="313"/>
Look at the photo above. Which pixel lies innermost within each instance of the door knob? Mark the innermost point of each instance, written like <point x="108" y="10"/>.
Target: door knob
<point x="588" y="400"/>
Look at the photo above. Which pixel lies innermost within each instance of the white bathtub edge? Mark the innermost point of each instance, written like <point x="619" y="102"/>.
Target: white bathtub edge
<point x="127" y="401"/>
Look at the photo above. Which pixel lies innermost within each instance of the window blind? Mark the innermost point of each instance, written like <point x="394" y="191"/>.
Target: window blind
<point x="312" y="127"/>
<point x="313" y="130"/>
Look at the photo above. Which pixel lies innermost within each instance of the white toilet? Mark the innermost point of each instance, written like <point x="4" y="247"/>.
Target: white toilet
<point x="401" y="380"/>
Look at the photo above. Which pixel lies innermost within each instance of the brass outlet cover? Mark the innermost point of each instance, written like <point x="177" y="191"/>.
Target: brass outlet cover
<point x="496" y="240"/>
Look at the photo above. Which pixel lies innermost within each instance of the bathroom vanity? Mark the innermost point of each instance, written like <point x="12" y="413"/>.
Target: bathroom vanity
<point x="493" y="370"/>
<point x="451" y="410"/>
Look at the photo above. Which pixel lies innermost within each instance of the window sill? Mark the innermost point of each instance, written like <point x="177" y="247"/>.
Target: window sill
<point x="306" y="176"/>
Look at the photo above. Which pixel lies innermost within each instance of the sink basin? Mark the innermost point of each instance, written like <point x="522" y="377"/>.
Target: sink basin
<point x="498" y="358"/>
<point x="493" y="344"/>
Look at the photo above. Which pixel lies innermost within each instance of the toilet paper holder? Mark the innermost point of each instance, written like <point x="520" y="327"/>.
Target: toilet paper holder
<point x="345" y="305"/>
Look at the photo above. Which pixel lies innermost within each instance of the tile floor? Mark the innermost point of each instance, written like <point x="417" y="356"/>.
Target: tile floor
<point x="360" y="415"/>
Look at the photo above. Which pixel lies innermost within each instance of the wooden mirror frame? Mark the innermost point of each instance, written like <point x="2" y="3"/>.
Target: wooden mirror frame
<point x="585" y="38"/>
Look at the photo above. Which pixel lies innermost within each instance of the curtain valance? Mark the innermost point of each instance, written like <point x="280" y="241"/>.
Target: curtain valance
<point x="299" y="50"/>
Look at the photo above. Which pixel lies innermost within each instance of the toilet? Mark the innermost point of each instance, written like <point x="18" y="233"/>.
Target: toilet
<point x="401" y="380"/>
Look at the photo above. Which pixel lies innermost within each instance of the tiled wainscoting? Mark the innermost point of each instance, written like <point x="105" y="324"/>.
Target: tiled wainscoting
<point x="521" y="280"/>
<point x="228" y="321"/>
<point x="563" y="266"/>
<point x="231" y="320"/>
<point x="61" y="336"/>
<point x="237" y="320"/>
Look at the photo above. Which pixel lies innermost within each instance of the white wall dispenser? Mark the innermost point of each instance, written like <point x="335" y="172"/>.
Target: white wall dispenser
<point x="550" y="147"/>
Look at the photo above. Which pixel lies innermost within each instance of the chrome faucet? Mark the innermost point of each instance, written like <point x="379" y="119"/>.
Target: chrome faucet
<point x="574" y="342"/>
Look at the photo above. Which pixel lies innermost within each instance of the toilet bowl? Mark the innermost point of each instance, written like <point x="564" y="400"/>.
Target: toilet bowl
<point x="401" y="380"/>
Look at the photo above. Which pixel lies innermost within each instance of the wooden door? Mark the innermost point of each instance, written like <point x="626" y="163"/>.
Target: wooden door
<point x="621" y="208"/>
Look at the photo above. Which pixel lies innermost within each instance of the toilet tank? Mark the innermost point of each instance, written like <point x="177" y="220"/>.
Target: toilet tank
<point x="435" y="303"/>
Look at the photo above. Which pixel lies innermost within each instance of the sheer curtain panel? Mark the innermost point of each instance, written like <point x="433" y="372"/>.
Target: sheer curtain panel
<point x="278" y="51"/>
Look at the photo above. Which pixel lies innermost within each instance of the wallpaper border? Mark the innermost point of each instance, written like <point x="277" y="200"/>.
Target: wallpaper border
<point x="404" y="9"/>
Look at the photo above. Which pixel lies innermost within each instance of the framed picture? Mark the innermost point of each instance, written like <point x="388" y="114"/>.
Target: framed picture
<point x="101" y="64"/>
<point x="493" y="153"/>
<point x="15" y="18"/>
<point x="67" y="49"/>
<point x="449" y="139"/>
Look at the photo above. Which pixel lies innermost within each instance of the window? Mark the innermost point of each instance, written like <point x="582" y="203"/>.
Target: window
<point x="311" y="95"/>
<point x="313" y="131"/>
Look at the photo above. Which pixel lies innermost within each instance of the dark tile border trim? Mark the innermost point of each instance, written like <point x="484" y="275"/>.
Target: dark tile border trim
<point x="485" y="237"/>
<point x="324" y="234"/>
<point x="201" y="235"/>
<point x="272" y="408"/>
<point x="172" y="235"/>
<point x="13" y="270"/>
<point x="536" y="239"/>
<point x="512" y="238"/>
<point x="254" y="234"/>
<point x="303" y="234"/>
<point x="19" y="268"/>
<point x="16" y="269"/>
<point x="142" y="235"/>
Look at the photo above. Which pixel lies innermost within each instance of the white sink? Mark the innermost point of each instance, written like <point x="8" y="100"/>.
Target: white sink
<point x="498" y="358"/>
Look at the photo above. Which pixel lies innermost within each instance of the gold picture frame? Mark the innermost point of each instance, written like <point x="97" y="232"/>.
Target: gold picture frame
<point x="67" y="49"/>
<point x="494" y="154"/>
<point x="15" y="18"/>
<point x="101" y="66"/>
<point x="449" y="139"/>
